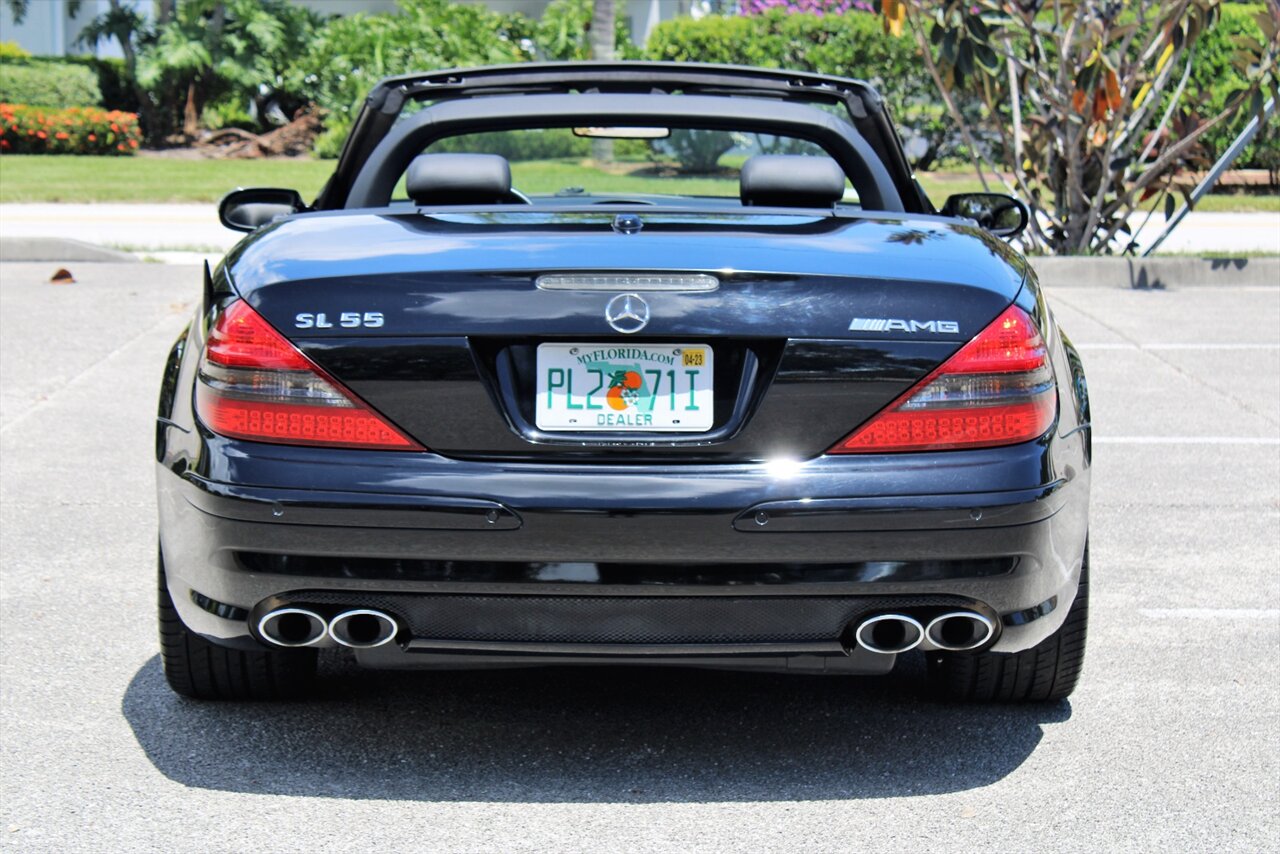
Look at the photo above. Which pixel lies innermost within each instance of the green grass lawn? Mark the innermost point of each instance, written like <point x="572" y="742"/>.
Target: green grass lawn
<point x="44" y="178"/>
<point x="53" y="178"/>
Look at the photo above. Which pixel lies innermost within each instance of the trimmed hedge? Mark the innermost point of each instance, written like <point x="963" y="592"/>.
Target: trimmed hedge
<point x="113" y="80"/>
<point x="516" y="145"/>
<point x="852" y="45"/>
<point x="49" y="84"/>
<point x="74" y="130"/>
<point x="349" y="55"/>
<point x="849" y="45"/>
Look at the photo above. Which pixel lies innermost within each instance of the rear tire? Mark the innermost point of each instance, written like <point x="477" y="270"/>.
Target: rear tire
<point x="1047" y="672"/>
<point x="197" y="668"/>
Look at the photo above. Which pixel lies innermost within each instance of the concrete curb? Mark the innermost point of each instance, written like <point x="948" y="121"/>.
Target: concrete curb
<point x="1156" y="273"/>
<point x="58" y="249"/>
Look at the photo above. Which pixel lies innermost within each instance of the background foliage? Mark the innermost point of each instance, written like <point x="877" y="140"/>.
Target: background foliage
<point x="563" y="33"/>
<point x="1089" y="103"/>
<point x="1214" y="73"/>
<point x="224" y="52"/>
<point x="851" y="45"/>
<point x="253" y="63"/>
<point x="348" y="55"/>
<point x="49" y="84"/>
<point x="941" y="66"/>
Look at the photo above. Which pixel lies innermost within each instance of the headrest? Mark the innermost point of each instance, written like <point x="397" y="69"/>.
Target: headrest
<point x="791" y="181"/>
<point x="459" y="179"/>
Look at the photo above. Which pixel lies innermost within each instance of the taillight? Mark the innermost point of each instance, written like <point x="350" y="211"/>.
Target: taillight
<point x="254" y="384"/>
<point x="996" y="390"/>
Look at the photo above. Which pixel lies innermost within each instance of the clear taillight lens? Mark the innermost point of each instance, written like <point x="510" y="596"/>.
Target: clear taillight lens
<point x="254" y="384"/>
<point x="996" y="390"/>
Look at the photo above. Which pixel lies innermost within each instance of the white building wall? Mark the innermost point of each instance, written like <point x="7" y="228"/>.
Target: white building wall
<point x="49" y="29"/>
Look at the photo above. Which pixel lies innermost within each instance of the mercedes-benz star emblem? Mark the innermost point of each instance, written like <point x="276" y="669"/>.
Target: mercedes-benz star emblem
<point x="627" y="313"/>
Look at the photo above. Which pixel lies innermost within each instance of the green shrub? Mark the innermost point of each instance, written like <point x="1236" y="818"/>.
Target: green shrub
<point x="849" y="45"/>
<point x="72" y="130"/>
<point x="1213" y="76"/>
<point x="516" y="145"/>
<point x="49" y="84"/>
<point x="349" y="55"/>
<point x="561" y="32"/>
<point x="227" y="114"/>
<point x="113" y="80"/>
<point x="697" y="151"/>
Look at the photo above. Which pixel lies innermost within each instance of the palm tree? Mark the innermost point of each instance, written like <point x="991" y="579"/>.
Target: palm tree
<point x="214" y="47"/>
<point x="127" y="27"/>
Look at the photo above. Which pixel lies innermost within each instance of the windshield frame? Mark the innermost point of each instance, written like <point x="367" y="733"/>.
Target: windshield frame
<point x="374" y="184"/>
<point x="863" y="106"/>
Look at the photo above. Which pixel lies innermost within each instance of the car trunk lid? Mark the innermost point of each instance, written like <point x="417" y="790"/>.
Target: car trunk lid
<point x="812" y="324"/>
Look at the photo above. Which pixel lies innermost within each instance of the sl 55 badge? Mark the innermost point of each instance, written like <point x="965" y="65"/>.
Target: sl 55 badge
<point x="346" y="320"/>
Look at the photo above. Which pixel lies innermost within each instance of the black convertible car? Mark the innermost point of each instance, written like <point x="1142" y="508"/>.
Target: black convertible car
<point x="623" y="363"/>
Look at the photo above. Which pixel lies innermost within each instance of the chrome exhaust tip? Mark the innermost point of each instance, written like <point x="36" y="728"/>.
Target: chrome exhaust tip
<point x="362" y="628"/>
<point x="292" y="627"/>
<point x="889" y="634"/>
<point x="960" y="631"/>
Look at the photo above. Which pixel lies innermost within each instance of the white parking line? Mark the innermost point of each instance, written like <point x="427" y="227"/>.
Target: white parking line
<point x="1185" y="440"/>
<point x="1210" y="613"/>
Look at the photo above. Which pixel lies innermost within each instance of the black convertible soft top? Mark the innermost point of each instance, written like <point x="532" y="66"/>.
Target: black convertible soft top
<point x="869" y="120"/>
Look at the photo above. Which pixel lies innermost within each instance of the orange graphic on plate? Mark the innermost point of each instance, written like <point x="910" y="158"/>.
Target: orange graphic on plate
<point x="622" y="389"/>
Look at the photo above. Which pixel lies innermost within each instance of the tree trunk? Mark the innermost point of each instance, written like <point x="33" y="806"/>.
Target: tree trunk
<point x="191" y="112"/>
<point x="602" y="48"/>
<point x="131" y="72"/>
<point x="165" y="11"/>
<point x="195" y="95"/>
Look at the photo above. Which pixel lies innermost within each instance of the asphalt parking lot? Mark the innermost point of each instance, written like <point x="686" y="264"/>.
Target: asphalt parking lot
<point x="1171" y="743"/>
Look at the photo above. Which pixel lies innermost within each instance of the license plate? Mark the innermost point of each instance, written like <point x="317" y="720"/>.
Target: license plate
<point x="615" y="388"/>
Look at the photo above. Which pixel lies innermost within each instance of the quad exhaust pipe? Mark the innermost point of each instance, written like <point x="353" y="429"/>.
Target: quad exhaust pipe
<point x="363" y="628"/>
<point x="959" y="631"/>
<point x="358" y="628"/>
<point x="293" y="627"/>
<point x="956" y="631"/>
<point x="889" y="633"/>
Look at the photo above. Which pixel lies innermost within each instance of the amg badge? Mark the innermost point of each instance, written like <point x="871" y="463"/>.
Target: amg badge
<point x="894" y="324"/>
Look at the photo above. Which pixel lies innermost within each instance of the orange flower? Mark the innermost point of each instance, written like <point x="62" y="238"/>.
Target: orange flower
<point x="62" y="135"/>
<point x="42" y="135"/>
<point x="133" y="143"/>
<point x="93" y="137"/>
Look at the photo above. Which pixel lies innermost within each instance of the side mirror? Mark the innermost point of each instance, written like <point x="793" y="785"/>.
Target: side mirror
<point x="1003" y="216"/>
<point x="246" y="210"/>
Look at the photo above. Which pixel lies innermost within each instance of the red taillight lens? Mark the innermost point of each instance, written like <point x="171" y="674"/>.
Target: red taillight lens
<point x="996" y="390"/>
<point x="254" y="384"/>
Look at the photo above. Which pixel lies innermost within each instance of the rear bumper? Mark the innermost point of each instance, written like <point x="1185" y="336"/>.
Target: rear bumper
<point x="530" y="549"/>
